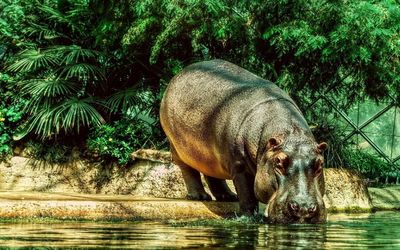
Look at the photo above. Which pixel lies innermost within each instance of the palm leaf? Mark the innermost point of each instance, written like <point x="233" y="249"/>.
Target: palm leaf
<point x="38" y="88"/>
<point x="42" y="123"/>
<point x="32" y="59"/>
<point x="70" y="115"/>
<point x="128" y="98"/>
<point x="77" y="53"/>
<point x="74" y="54"/>
<point x="74" y="113"/>
<point x="58" y="17"/>
<point x="43" y="32"/>
<point x="82" y="71"/>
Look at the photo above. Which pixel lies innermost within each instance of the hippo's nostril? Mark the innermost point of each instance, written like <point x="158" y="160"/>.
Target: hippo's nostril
<point x="294" y="207"/>
<point x="312" y="209"/>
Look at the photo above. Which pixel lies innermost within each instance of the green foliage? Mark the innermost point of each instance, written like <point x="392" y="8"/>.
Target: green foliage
<point x="345" y="47"/>
<point x="370" y="166"/>
<point x="330" y="133"/>
<point x="305" y="46"/>
<point x="86" y="64"/>
<point x="347" y="154"/>
<point x="70" y="80"/>
<point x="116" y="141"/>
<point x="56" y="76"/>
<point x="49" y="152"/>
<point x="11" y="114"/>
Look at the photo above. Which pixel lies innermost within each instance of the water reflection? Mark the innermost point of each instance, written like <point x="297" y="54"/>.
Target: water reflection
<point x="380" y="230"/>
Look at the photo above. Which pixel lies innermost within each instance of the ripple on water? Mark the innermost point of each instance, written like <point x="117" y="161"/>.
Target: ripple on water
<point x="379" y="230"/>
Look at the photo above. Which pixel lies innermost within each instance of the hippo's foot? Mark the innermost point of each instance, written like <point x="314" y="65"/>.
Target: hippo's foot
<point x="220" y="190"/>
<point x="198" y="196"/>
<point x="194" y="186"/>
<point x="249" y="210"/>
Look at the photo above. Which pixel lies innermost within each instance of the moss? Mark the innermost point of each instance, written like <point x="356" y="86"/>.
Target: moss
<point x="354" y="209"/>
<point x="235" y="221"/>
<point x="44" y="220"/>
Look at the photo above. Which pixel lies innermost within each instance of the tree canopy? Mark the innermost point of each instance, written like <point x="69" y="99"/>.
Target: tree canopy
<point x="72" y="65"/>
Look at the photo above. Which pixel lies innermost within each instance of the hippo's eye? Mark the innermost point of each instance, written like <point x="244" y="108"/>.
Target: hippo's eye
<point x="279" y="169"/>
<point x="281" y="163"/>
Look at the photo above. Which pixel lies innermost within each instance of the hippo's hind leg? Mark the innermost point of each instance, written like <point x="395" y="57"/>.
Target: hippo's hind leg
<point x="220" y="189"/>
<point x="192" y="179"/>
<point x="193" y="183"/>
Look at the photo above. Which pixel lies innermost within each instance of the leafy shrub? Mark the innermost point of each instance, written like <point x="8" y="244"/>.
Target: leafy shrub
<point x="49" y="152"/>
<point x="347" y="155"/>
<point x="11" y="114"/>
<point x="80" y="62"/>
<point x="370" y="165"/>
<point x="118" y="140"/>
<point x="333" y="135"/>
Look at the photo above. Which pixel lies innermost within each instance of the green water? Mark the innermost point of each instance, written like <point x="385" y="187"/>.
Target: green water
<point x="379" y="231"/>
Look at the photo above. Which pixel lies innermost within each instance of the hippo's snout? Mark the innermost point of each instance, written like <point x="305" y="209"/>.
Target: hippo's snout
<point x="288" y="211"/>
<point x="302" y="211"/>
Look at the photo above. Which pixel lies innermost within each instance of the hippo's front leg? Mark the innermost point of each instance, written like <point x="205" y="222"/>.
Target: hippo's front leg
<point x="244" y="184"/>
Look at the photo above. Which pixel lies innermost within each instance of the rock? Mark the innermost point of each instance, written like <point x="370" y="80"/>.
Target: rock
<point x="152" y="155"/>
<point x="345" y="190"/>
<point x="103" y="207"/>
<point x="17" y="151"/>
<point x="386" y="198"/>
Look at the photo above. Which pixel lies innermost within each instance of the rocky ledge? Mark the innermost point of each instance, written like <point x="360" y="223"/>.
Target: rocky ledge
<point x="152" y="188"/>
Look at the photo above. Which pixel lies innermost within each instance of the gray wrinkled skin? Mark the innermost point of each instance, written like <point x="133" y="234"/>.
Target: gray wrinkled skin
<point x="227" y="123"/>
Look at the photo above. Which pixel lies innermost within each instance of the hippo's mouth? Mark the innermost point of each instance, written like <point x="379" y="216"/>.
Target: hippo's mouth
<point x="278" y="214"/>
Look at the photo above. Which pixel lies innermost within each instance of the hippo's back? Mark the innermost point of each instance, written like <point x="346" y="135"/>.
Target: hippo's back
<point x="204" y="107"/>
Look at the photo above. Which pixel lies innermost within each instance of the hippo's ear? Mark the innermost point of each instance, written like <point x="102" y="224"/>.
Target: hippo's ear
<point x="274" y="143"/>
<point x="322" y="146"/>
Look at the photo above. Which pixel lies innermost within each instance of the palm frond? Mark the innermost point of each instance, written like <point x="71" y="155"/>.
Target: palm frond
<point x="58" y="17"/>
<point x="77" y="53"/>
<point x="32" y="59"/>
<point x="70" y="115"/>
<point x="48" y="87"/>
<point x="73" y="54"/>
<point x="35" y="104"/>
<point x="128" y="98"/>
<point x="43" y="32"/>
<point x="42" y="123"/>
<point x="74" y="113"/>
<point x="82" y="71"/>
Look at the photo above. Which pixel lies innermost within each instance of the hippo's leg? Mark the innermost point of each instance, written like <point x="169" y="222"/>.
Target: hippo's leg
<point x="192" y="179"/>
<point x="220" y="190"/>
<point x="193" y="183"/>
<point x="244" y="184"/>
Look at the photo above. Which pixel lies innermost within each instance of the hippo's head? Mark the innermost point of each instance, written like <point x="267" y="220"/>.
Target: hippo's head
<point x="290" y="180"/>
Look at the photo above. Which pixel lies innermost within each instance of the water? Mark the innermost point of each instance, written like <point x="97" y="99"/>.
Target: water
<point x="380" y="231"/>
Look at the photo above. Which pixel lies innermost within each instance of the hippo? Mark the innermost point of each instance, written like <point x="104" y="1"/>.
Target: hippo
<point x="227" y="123"/>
